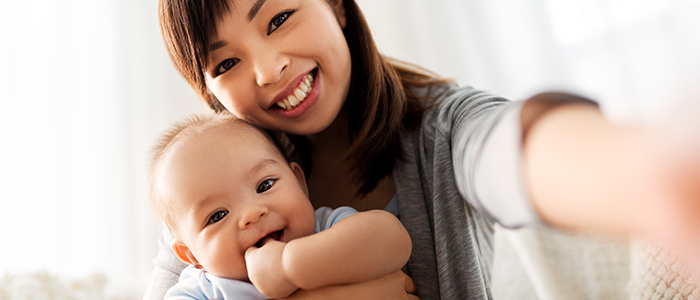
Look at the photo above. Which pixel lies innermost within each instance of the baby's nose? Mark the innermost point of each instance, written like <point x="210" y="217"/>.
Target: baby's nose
<point x="252" y="214"/>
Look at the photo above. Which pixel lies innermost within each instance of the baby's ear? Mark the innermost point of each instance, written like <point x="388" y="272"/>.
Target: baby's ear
<point x="299" y="173"/>
<point x="183" y="253"/>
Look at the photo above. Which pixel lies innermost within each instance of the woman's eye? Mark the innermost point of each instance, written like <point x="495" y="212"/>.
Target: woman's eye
<point x="278" y="20"/>
<point x="225" y="65"/>
<point x="265" y="185"/>
<point x="217" y="216"/>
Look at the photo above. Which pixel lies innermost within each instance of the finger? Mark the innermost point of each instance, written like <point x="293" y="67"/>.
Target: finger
<point x="268" y="240"/>
<point x="409" y="285"/>
<point x="250" y="252"/>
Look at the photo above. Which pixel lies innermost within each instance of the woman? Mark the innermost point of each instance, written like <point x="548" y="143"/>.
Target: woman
<point x="374" y="133"/>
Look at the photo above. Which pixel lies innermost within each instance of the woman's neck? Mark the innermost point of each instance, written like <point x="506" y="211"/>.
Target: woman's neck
<point x="333" y="141"/>
<point x="330" y="182"/>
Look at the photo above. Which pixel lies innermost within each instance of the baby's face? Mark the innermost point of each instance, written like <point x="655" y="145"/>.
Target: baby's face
<point x="229" y="189"/>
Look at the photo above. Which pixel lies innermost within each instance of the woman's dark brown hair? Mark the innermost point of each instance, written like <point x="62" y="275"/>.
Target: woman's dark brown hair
<point x="382" y="98"/>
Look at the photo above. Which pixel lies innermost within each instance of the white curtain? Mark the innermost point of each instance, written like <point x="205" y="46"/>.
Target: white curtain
<point x="637" y="57"/>
<point x="85" y="87"/>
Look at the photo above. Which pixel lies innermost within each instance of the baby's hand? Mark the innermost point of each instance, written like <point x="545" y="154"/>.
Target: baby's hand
<point x="265" y="269"/>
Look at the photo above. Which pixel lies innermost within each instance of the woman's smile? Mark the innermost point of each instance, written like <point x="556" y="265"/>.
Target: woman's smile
<point x="302" y="97"/>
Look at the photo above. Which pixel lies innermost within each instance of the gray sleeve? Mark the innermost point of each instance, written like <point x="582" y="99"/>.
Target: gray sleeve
<point x="166" y="270"/>
<point x="488" y="166"/>
<point x="488" y="162"/>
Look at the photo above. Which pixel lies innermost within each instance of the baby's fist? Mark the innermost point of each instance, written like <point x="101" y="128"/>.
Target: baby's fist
<point x="265" y="269"/>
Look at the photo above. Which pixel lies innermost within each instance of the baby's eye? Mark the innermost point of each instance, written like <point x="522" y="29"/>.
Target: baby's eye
<point x="265" y="185"/>
<point x="225" y="65"/>
<point x="278" y="20"/>
<point x="217" y="216"/>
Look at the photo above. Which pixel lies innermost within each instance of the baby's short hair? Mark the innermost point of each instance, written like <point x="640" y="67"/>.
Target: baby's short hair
<point x="181" y="132"/>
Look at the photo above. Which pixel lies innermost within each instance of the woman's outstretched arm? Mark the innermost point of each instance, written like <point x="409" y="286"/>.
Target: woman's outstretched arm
<point x="585" y="172"/>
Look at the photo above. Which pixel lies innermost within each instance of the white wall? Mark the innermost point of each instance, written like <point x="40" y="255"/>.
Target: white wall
<point x="84" y="88"/>
<point x="629" y="54"/>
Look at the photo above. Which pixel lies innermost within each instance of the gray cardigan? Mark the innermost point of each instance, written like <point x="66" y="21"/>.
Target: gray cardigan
<point x="466" y="148"/>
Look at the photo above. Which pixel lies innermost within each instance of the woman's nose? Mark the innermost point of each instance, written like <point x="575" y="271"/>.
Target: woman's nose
<point x="251" y="214"/>
<point x="269" y="66"/>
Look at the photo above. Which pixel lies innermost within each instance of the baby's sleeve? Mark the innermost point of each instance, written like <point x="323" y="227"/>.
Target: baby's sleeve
<point x="327" y="217"/>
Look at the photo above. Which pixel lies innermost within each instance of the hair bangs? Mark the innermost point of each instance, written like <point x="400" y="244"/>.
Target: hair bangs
<point x="187" y="27"/>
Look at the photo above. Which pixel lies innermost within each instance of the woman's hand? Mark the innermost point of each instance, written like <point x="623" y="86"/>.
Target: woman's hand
<point x="677" y="223"/>
<point x="393" y="286"/>
<point x="673" y="190"/>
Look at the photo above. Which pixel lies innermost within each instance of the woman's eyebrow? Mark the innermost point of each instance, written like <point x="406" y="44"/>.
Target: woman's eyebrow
<point x="216" y="45"/>
<point x="255" y="9"/>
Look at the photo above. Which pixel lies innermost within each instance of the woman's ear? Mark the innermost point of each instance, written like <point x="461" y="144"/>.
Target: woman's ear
<point x="299" y="173"/>
<point x="339" y="9"/>
<point x="183" y="253"/>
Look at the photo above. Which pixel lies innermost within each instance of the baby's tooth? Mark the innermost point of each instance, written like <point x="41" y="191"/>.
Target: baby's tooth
<point x="288" y="105"/>
<point x="299" y="94"/>
<point x="293" y="100"/>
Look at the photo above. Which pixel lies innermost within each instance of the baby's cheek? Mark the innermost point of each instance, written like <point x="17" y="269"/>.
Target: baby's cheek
<point x="228" y="265"/>
<point x="311" y="224"/>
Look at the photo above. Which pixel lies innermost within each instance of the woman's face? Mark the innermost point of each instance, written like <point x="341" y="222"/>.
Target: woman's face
<point x="281" y="64"/>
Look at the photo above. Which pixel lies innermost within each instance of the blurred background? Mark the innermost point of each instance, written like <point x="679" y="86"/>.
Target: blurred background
<point x="86" y="86"/>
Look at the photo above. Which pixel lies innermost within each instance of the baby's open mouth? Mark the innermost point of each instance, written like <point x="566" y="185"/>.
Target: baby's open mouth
<point x="274" y="235"/>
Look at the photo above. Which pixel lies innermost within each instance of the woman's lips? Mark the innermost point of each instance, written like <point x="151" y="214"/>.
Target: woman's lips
<point x="308" y="101"/>
<point x="298" y="95"/>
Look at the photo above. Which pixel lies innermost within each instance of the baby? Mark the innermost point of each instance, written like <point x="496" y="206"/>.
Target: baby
<point x="239" y="213"/>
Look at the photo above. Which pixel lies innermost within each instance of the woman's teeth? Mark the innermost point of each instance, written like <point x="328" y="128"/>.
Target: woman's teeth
<point x="298" y="95"/>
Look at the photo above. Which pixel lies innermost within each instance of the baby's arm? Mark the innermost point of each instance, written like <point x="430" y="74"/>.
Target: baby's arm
<point x="361" y="247"/>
